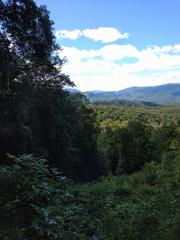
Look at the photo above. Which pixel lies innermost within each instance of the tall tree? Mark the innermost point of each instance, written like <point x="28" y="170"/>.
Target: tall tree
<point x="37" y="115"/>
<point x="29" y="60"/>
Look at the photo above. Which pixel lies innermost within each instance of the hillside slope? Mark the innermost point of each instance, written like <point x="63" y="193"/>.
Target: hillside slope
<point x="163" y="94"/>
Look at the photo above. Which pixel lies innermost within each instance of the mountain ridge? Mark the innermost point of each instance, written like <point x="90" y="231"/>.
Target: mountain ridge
<point x="162" y="94"/>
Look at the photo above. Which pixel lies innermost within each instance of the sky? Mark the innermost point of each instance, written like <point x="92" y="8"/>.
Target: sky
<point x="116" y="44"/>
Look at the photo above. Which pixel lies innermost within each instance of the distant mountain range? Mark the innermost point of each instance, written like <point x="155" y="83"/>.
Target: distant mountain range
<point x="163" y="94"/>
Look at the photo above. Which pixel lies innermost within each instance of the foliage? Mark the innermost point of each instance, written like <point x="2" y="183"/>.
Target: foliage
<point x="124" y="103"/>
<point x="129" y="138"/>
<point x="144" y="205"/>
<point x="28" y="61"/>
<point x="37" y="115"/>
<point x="136" y="149"/>
<point x="36" y="203"/>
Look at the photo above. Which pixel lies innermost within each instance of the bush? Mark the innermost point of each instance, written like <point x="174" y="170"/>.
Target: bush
<point x="36" y="203"/>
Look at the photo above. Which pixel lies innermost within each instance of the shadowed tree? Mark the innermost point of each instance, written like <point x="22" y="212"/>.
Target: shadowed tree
<point x="37" y="115"/>
<point x="29" y="61"/>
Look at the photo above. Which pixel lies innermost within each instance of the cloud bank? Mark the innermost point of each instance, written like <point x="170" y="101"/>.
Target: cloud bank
<point x="115" y="66"/>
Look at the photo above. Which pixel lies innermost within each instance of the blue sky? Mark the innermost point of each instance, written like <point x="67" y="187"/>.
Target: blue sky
<point x="111" y="45"/>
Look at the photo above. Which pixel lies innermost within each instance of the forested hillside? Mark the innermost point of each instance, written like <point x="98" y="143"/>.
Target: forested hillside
<point x="129" y="138"/>
<point x="70" y="169"/>
<point x="125" y="103"/>
<point x="164" y="94"/>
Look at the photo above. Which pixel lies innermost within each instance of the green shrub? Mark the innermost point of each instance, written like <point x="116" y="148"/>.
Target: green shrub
<point x="36" y="203"/>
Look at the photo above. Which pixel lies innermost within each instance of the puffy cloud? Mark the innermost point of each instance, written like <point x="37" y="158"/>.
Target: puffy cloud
<point x="92" y="67"/>
<point x="110" y="52"/>
<point x="117" y="52"/>
<point x="176" y="48"/>
<point x="74" y="54"/>
<point x="149" y="60"/>
<point x="169" y="49"/>
<point x="102" y="34"/>
<point x="105" y="34"/>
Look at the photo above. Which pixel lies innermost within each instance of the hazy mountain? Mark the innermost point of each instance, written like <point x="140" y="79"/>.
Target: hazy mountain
<point x="163" y="94"/>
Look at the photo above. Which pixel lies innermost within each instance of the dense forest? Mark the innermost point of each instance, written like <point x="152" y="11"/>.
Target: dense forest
<point x="74" y="170"/>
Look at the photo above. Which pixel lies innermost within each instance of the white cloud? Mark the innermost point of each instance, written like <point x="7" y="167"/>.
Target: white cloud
<point x="176" y="48"/>
<point x="151" y="61"/>
<point x="74" y="54"/>
<point x="98" y="69"/>
<point x="73" y="35"/>
<point x="91" y="68"/>
<point x="117" y="52"/>
<point x="105" y="34"/>
<point x="110" y="52"/>
<point x="102" y="34"/>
